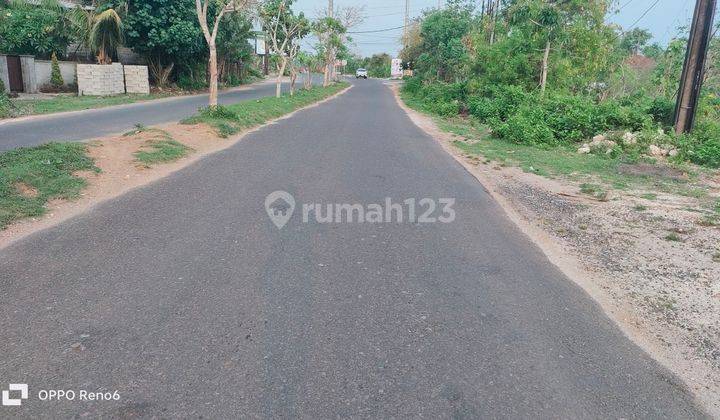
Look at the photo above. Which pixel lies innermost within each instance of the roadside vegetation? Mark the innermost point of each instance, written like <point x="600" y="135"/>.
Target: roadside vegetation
<point x="554" y="88"/>
<point x="64" y="103"/>
<point x="159" y="148"/>
<point x="29" y="177"/>
<point x="231" y="119"/>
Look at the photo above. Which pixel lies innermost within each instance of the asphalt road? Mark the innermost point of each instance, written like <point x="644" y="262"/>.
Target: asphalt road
<point x="118" y="119"/>
<point x="188" y="301"/>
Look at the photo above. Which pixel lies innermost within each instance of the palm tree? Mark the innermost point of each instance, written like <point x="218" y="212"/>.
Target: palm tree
<point x="99" y="29"/>
<point x="106" y="35"/>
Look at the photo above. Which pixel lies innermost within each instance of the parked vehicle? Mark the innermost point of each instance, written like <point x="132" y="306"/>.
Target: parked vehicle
<point x="361" y="73"/>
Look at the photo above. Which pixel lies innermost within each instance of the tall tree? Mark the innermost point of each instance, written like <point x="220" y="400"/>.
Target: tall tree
<point x="284" y="29"/>
<point x="166" y="33"/>
<point x="209" y="19"/>
<point x="100" y="29"/>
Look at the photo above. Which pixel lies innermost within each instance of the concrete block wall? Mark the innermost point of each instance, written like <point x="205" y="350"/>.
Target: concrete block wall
<point x="99" y="79"/>
<point x="137" y="80"/>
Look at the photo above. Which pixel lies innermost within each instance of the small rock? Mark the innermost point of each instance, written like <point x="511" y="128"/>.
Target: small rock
<point x="673" y="152"/>
<point x="629" y="138"/>
<point x="77" y="347"/>
<point x="656" y="151"/>
<point x="585" y="149"/>
<point x="600" y="138"/>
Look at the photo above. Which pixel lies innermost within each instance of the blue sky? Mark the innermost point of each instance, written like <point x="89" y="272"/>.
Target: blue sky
<point x="662" y="20"/>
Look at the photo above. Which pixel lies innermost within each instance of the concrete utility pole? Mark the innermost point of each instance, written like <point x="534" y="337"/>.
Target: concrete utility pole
<point x="694" y="68"/>
<point x="407" y="23"/>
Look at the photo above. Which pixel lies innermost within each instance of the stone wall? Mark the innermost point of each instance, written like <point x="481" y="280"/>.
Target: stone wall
<point x="99" y="79"/>
<point x="137" y="80"/>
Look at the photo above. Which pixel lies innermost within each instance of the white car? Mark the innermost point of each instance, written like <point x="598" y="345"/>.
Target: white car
<point x="361" y="73"/>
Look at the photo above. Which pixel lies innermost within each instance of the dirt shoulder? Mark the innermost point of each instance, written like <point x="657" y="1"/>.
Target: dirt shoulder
<point x="121" y="172"/>
<point x="648" y="262"/>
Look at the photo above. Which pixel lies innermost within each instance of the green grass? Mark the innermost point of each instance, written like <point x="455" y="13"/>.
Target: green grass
<point x="162" y="148"/>
<point x="64" y="103"/>
<point x="673" y="237"/>
<point x="564" y="161"/>
<point x="231" y="119"/>
<point x="29" y="177"/>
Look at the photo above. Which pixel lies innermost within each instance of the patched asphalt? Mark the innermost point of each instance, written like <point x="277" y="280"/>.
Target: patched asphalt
<point x="187" y="300"/>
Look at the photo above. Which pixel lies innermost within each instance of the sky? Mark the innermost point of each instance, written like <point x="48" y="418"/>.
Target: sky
<point x="662" y="19"/>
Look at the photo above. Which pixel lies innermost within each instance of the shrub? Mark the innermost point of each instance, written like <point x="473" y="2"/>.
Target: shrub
<point x="188" y="82"/>
<point x="497" y="102"/>
<point x="662" y="111"/>
<point x="573" y="118"/>
<point x="527" y="126"/>
<point x="56" y="78"/>
<point x="412" y="85"/>
<point x="702" y="146"/>
<point x="219" y="112"/>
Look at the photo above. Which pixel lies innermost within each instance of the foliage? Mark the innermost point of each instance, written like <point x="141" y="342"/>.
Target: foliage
<point x="99" y="29"/>
<point x="166" y="33"/>
<point x="555" y="74"/>
<point x="56" y="78"/>
<point x="635" y="40"/>
<point x="36" y="29"/>
<point x="443" y="53"/>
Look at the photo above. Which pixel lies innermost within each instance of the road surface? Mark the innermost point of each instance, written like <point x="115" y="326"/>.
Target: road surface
<point x="118" y="119"/>
<point x="187" y="300"/>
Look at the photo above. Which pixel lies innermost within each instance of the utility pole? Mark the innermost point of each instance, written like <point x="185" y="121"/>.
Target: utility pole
<point x="407" y="23"/>
<point x="694" y="68"/>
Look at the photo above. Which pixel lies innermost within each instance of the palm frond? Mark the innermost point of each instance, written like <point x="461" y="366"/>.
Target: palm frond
<point x="106" y="35"/>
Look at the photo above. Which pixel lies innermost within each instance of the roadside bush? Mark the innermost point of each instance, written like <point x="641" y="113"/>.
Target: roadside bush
<point x="497" y="102"/>
<point x="662" y="111"/>
<point x="573" y="118"/>
<point x="702" y="146"/>
<point x="527" y="126"/>
<point x="190" y="82"/>
<point x="412" y="85"/>
<point x="219" y="112"/>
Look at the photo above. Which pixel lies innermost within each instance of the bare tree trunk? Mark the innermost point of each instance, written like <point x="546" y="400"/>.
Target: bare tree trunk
<point x="293" y="77"/>
<point x="212" y="65"/>
<point x="543" y="77"/>
<point x="281" y="71"/>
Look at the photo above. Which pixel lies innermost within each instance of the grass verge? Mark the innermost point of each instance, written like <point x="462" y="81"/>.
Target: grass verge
<point x="596" y="172"/>
<point x="162" y="148"/>
<point x="29" y="177"/>
<point x="231" y="119"/>
<point x="63" y="103"/>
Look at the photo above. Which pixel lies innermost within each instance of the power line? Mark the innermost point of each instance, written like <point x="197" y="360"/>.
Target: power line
<point x="377" y="30"/>
<point x="652" y="6"/>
